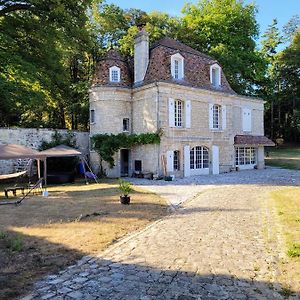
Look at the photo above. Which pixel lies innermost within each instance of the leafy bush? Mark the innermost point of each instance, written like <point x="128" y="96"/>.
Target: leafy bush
<point x="107" y="145"/>
<point x="125" y="187"/>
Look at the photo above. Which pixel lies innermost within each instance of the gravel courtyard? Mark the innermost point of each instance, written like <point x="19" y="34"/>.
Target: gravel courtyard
<point x="213" y="246"/>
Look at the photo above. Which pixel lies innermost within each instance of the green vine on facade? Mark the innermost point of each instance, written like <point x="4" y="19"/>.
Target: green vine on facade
<point x="106" y="145"/>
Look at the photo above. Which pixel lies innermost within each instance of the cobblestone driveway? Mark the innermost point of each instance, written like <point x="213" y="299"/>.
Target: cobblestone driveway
<point x="213" y="247"/>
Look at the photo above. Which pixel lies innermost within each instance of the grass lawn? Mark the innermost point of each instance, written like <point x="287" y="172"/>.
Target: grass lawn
<point x="44" y="235"/>
<point x="287" y="204"/>
<point x="288" y="158"/>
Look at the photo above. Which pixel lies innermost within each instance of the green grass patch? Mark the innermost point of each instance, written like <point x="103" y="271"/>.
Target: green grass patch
<point x="288" y="158"/>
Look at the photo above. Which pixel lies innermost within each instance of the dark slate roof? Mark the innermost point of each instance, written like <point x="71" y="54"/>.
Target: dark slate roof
<point x="253" y="140"/>
<point x="196" y="67"/>
<point x="174" y="44"/>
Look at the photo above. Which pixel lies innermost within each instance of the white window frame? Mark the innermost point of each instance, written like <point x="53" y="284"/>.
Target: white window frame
<point x="215" y="67"/>
<point x="247" y="119"/>
<point x="176" y="160"/>
<point x="177" y="71"/>
<point x="178" y="113"/>
<point x="198" y="161"/>
<point x="216" y="122"/>
<point x="128" y="124"/>
<point x="92" y="116"/>
<point x="245" y="157"/>
<point x="112" y="71"/>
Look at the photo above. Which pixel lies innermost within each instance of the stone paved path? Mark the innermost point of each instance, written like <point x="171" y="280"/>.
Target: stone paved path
<point x="211" y="248"/>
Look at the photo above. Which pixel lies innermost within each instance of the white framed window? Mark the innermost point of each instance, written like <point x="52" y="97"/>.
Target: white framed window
<point x="177" y="66"/>
<point x="199" y="158"/>
<point x="126" y="124"/>
<point x="114" y="74"/>
<point x="247" y="119"/>
<point x="176" y="160"/>
<point x="216" y="116"/>
<point x="215" y="75"/>
<point x="92" y="116"/>
<point x="245" y="156"/>
<point x="178" y="113"/>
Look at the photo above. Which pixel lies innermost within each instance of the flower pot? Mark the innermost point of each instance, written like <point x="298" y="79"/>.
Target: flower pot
<point x="125" y="199"/>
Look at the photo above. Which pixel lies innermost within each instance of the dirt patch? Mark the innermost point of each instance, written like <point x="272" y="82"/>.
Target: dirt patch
<point x="44" y="235"/>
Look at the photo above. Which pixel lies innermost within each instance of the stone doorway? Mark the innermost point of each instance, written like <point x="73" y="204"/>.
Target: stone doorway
<point x="124" y="159"/>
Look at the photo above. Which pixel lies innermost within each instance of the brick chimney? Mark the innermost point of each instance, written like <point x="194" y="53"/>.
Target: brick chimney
<point x="141" y="55"/>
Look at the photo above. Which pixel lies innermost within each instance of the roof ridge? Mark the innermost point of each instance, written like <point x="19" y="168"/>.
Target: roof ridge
<point x="188" y="49"/>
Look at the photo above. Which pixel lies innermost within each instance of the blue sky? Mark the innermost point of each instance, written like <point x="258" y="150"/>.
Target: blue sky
<point x="283" y="10"/>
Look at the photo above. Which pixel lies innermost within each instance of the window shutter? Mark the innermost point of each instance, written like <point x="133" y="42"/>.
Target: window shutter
<point x="247" y="119"/>
<point x="211" y="107"/>
<point x="186" y="159"/>
<point x="188" y="114"/>
<point x="170" y="161"/>
<point x="224" y="117"/>
<point x="171" y="113"/>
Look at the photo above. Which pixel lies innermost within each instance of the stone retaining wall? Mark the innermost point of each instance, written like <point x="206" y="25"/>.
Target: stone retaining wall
<point x="33" y="137"/>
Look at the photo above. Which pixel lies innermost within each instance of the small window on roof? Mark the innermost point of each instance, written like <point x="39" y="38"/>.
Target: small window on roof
<point x="114" y="74"/>
<point x="215" y="75"/>
<point x="177" y="66"/>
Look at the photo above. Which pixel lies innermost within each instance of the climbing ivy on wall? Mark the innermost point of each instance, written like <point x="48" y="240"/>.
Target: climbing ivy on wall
<point x="106" y="145"/>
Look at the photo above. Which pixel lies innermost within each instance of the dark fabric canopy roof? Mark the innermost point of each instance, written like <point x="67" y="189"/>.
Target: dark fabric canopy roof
<point x="12" y="151"/>
<point x="61" y="151"/>
<point x="253" y="140"/>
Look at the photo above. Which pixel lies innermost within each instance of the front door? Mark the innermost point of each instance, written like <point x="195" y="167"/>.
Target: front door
<point x="124" y="159"/>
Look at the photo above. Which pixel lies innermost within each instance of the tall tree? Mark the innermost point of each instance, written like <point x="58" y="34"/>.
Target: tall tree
<point x="271" y="39"/>
<point x="289" y="95"/>
<point x="39" y="40"/>
<point x="227" y="30"/>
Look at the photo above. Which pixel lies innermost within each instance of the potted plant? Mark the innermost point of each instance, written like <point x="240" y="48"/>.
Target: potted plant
<point x="126" y="189"/>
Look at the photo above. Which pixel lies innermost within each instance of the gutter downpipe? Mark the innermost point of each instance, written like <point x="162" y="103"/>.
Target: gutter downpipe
<point x="157" y="125"/>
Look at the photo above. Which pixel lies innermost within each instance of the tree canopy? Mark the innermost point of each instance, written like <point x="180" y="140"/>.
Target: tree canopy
<point x="48" y="51"/>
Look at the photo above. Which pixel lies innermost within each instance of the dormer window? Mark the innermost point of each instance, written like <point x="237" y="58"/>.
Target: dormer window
<point x="215" y="75"/>
<point x="177" y="66"/>
<point x="114" y="74"/>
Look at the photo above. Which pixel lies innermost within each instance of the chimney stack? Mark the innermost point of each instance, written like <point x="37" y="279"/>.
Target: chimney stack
<point x="141" y="55"/>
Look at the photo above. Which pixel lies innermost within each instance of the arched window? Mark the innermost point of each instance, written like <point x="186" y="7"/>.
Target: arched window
<point x="177" y="66"/>
<point x="199" y="158"/>
<point x="114" y="74"/>
<point x="215" y="75"/>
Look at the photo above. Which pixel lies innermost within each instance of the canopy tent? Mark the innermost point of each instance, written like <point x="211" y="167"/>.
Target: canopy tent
<point x="66" y="151"/>
<point x="13" y="151"/>
<point x="61" y="151"/>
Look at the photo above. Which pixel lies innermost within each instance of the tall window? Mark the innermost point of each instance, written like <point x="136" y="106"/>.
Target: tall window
<point x="216" y="116"/>
<point x="245" y="156"/>
<point x="199" y="158"/>
<point x="177" y="66"/>
<point x="176" y="69"/>
<point x="126" y="124"/>
<point x="178" y="113"/>
<point x="114" y="74"/>
<point x="92" y="116"/>
<point x="176" y="163"/>
<point x="215" y="75"/>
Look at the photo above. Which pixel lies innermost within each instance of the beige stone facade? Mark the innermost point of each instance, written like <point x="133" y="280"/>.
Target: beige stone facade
<point x="199" y="124"/>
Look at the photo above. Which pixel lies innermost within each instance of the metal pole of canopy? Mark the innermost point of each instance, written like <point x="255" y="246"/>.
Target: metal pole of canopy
<point x="39" y="168"/>
<point x="45" y="172"/>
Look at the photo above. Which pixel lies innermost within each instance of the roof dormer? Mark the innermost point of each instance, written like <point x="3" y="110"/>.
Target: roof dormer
<point x="215" y="75"/>
<point x="114" y="74"/>
<point x="177" y="66"/>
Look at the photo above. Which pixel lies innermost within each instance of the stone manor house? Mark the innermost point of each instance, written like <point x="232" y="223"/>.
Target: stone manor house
<point x="207" y="128"/>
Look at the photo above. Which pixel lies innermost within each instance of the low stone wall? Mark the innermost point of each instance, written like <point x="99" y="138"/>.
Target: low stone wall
<point x="33" y="137"/>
